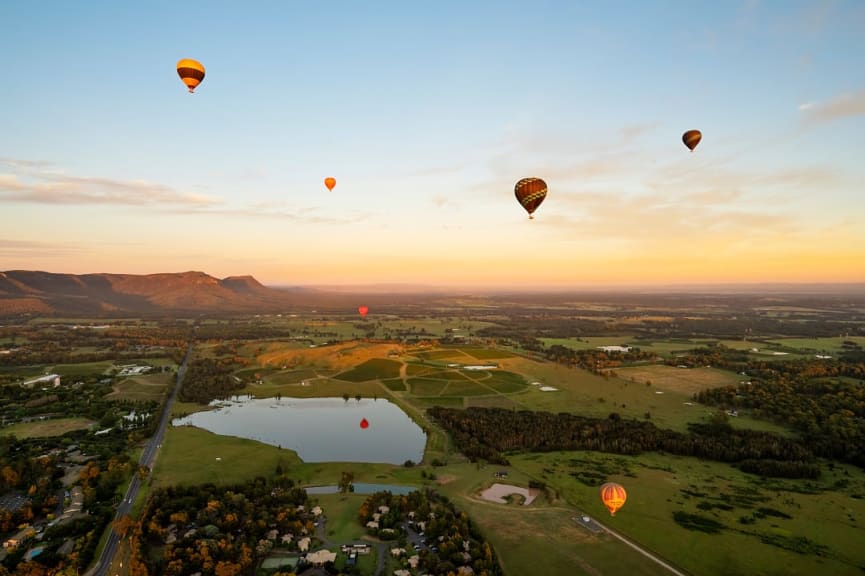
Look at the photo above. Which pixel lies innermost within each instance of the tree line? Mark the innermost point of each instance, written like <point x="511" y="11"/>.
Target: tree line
<point x="492" y="433"/>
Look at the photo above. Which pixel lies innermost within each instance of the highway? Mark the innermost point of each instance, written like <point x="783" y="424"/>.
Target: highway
<point x="148" y="457"/>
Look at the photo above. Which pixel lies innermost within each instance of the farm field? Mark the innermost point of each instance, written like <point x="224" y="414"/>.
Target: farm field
<point x="148" y="387"/>
<point x="760" y="522"/>
<point x="49" y="427"/>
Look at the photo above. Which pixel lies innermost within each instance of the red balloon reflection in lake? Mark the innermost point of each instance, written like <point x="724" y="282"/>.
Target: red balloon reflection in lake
<point x="364" y="424"/>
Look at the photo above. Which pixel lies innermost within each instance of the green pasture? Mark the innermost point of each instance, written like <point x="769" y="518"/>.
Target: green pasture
<point x="442" y="354"/>
<point x="673" y="379"/>
<point x="284" y="377"/>
<point x="581" y="392"/>
<point x="50" y="427"/>
<point x="341" y="511"/>
<point x="189" y="456"/>
<point x="375" y="368"/>
<point x="142" y="388"/>
<point x="463" y="389"/>
<point x="84" y="368"/>
<point x="660" y="485"/>
<point x="486" y="353"/>
<point x="816" y="345"/>
<point x="588" y="342"/>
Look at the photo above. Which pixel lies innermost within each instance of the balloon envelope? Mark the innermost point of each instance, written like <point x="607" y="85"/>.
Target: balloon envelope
<point x="613" y="496"/>
<point x="691" y="138"/>
<point x="330" y="183"/>
<point x="364" y="424"/>
<point x="362" y="310"/>
<point x="191" y="72"/>
<point x="530" y="192"/>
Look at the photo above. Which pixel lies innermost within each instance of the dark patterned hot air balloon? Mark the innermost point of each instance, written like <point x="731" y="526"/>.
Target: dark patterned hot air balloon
<point x="691" y="138"/>
<point x="530" y="192"/>
<point x="362" y="310"/>
<point x="614" y="496"/>
<point x="330" y="183"/>
<point x="191" y="72"/>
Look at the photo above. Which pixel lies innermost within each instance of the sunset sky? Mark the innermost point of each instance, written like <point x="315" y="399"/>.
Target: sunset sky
<point x="427" y="113"/>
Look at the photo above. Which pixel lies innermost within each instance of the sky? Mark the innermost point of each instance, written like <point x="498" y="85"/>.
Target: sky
<point x="427" y="114"/>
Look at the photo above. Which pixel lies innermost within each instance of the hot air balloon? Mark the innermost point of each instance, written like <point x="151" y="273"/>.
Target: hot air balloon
<point x="691" y="138"/>
<point x="362" y="310"/>
<point x="614" y="496"/>
<point x="330" y="183"/>
<point x="364" y="424"/>
<point x="191" y="72"/>
<point x="530" y="193"/>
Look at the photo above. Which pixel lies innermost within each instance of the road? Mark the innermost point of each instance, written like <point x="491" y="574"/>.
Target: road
<point x="148" y="457"/>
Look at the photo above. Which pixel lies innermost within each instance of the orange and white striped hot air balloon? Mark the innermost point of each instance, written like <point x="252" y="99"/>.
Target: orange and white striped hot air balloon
<point x="613" y="496"/>
<point x="191" y="72"/>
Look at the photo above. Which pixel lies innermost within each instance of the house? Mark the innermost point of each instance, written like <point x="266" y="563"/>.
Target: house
<point x="321" y="557"/>
<point x="615" y="348"/>
<point x="20" y="537"/>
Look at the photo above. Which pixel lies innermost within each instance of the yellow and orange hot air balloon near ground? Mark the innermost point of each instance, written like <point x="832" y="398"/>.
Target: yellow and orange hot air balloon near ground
<point x="691" y="138"/>
<point x="191" y="72"/>
<point x="530" y="192"/>
<point x="330" y="183"/>
<point x="614" y="496"/>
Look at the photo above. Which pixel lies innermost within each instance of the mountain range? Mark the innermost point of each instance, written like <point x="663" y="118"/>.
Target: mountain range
<point x="34" y="292"/>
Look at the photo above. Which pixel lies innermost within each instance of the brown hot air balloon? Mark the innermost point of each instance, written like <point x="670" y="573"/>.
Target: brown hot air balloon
<point x="191" y="72"/>
<point x="691" y="138"/>
<point x="530" y="192"/>
<point x="614" y="496"/>
<point x="330" y="183"/>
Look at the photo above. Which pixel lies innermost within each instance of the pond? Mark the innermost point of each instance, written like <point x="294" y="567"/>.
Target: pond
<point x="362" y="488"/>
<point x="318" y="429"/>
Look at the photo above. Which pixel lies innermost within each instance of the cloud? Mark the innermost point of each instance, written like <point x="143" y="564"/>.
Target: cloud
<point x="35" y="249"/>
<point x="53" y="188"/>
<point x="846" y="105"/>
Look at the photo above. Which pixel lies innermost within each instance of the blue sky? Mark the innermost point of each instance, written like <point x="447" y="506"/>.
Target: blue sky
<point x="427" y="113"/>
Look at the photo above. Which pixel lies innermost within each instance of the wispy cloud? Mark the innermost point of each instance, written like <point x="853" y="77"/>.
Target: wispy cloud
<point x="44" y="187"/>
<point x="36" y="249"/>
<point x="846" y="105"/>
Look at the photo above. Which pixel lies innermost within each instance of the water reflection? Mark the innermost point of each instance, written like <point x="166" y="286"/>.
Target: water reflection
<point x="318" y="429"/>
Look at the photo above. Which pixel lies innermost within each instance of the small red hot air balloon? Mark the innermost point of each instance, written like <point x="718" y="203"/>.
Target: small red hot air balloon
<point x="362" y="310"/>
<point x="364" y="424"/>
<point x="330" y="183"/>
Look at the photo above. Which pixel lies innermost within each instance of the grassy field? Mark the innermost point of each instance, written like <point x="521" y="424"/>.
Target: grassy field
<point x="52" y="427"/>
<point x="684" y="380"/>
<point x="816" y="345"/>
<point x="189" y="456"/>
<point x="142" y="388"/>
<point x="372" y="369"/>
<point x="341" y="511"/>
<point x="777" y="512"/>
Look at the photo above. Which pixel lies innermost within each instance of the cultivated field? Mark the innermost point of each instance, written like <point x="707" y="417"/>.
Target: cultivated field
<point x="684" y="380"/>
<point x="142" y="388"/>
<point x="50" y="427"/>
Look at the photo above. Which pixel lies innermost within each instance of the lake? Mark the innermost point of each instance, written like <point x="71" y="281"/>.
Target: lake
<point x="318" y="429"/>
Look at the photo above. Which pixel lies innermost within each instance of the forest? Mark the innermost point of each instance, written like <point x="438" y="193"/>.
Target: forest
<point x="492" y="433"/>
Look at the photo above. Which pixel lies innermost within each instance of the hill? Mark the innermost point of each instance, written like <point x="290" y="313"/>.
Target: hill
<point x="23" y="292"/>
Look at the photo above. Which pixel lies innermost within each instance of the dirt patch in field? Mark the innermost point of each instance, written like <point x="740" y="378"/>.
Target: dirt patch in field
<point x="498" y="492"/>
<point x="445" y="479"/>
